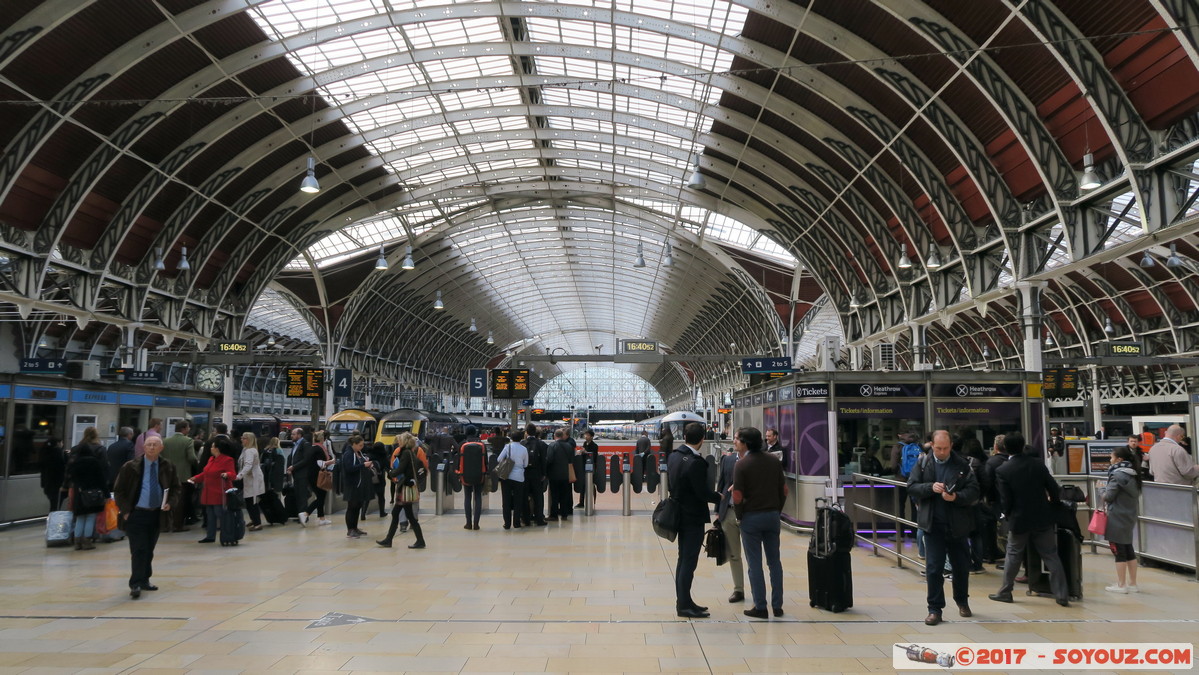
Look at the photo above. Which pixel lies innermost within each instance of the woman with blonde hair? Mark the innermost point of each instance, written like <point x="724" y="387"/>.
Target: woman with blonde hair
<point x="404" y="475"/>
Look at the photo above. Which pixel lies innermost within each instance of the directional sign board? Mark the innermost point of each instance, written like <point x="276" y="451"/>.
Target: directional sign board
<point x="343" y="382"/>
<point x="39" y="365"/>
<point x="766" y="364"/>
<point x="477" y="377"/>
<point x="510" y="383"/>
<point x="305" y="382"/>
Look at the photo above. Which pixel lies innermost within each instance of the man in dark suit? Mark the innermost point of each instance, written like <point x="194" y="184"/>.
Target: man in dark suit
<point x="727" y="517"/>
<point x="535" y="476"/>
<point x="688" y="476"/>
<point x="945" y="490"/>
<point x="118" y="453"/>
<point x="1026" y="492"/>
<point x="557" y="469"/>
<point x="300" y="469"/>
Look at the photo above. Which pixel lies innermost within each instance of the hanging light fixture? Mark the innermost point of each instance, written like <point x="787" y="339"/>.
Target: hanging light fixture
<point x="933" y="262"/>
<point x="183" y="264"/>
<point x="310" y="184"/>
<point x="1147" y="260"/>
<point x="1048" y="338"/>
<point x="1174" y="260"/>
<point x="855" y="301"/>
<point x="438" y="304"/>
<point x="158" y="263"/>
<point x="473" y="327"/>
<point x="270" y="341"/>
<point x="668" y="259"/>
<point x="1108" y="327"/>
<point x="381" y="263"/>
<point x="1090" y="179"/>
<point x="696" y="180"/>
<point x="490" y="338"/>
<point x="640" y="262"/>
<point x="905" y="263"/>
<point x="408" y="263"/>
<point x="986" y="352"/>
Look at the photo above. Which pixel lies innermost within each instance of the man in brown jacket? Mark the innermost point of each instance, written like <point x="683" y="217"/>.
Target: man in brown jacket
<point x="145" y="487"/>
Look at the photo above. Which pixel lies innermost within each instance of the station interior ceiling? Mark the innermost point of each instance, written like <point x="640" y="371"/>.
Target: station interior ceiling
<point x="969" y="182"/>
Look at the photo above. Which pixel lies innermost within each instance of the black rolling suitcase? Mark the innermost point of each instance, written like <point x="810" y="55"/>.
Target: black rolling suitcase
<point x="830" y="573"/>
<point x="1069" y="550"/>
<point x="272" y="508"/>
<point x="233" y="527"/>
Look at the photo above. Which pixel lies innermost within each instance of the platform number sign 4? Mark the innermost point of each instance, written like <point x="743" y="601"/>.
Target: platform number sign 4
<point x="343" y="381"/>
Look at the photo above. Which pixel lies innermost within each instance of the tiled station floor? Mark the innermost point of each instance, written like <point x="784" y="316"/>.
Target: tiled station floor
<point x="591" y="595"/>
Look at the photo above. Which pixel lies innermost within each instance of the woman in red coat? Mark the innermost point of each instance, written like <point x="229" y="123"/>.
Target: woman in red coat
<point x="216" y="477"/>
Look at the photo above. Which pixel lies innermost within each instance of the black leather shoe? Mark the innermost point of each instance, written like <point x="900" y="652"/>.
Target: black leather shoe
<point x="692" y="614"/>
<point x="756" y="613"/>
<point x="737" y="596"/>
<point x="206" y="541"/>
<point x="135" y="592"/>
<point x="932" y="619"/>
<point x="964" y="610"/>
<point x="1001" y="597"/>
<point x="385" y="543"/>
<point x="419" y="544"/>
<point x="778" y="611"/>
<point x="149" y="587"/>
<point x="699" y="607"/>
<point x="1063" y="602"/>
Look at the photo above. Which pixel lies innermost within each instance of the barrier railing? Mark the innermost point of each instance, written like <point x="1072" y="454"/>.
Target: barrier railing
<point x="1161" y="535"/>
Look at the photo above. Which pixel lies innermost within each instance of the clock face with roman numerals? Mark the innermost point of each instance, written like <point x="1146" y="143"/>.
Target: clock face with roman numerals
<point x="209" y="378"/>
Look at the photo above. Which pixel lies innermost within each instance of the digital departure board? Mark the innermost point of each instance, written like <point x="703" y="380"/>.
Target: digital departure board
<point x="510" y="383"/>
<point x="305" y="382"/>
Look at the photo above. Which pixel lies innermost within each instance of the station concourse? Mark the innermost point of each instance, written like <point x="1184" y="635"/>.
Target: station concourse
<point x="888" y="216"/>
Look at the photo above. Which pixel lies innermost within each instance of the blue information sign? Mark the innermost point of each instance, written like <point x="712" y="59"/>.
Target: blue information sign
<point x="39" y="365"/>
<point x="766" y="364"/>
<point x="343" y="381"/>
<point x="478" y="382"/>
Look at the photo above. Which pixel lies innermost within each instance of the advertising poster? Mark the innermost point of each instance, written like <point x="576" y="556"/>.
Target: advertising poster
<point x="811" y="439"/>
<point x="787" y="436"/>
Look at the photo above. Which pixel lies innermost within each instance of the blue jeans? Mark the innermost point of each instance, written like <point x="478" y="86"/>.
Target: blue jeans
<point x="760" y="532"/>
<point x="85" y="525"/>
<point x="212" y="515"/>
<point x="939" y="543"/>
<point x="690" y="541"/>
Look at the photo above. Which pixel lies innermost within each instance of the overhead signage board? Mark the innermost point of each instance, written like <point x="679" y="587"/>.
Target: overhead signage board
<point x="759" y="378"/>
<point x="1067" y="382"/>
<point x="141" y="376"/>
<point x="1050" y="382"/>
<point x="510" y="383"/>
<point x="811" y="391"/>
<point x="343" y="382"/>
<point x="477" y="377"/>
<point x="638" y="346"/>
<point x="305" y="382"/>
<point x="984" y="390"/>
<point x="869" y="390"/>
<point x="228" y="347"/>
<point x="1127" y="348"/>
<point x="45" y="366"/>
<point x="766" y="364"/>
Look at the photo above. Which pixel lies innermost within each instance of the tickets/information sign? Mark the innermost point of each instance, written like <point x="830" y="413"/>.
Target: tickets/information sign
<point x="510" y="383"/>
<point x="305" y="382"/>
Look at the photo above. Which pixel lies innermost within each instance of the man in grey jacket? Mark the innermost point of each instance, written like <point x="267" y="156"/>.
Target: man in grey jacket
<point x="727" y="517"/>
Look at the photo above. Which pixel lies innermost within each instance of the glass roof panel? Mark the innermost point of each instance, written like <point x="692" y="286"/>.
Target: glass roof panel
<point x="274" y="313"/>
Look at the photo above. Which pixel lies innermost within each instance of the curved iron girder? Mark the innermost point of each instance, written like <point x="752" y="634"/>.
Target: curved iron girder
<point x="1131" y="138"/>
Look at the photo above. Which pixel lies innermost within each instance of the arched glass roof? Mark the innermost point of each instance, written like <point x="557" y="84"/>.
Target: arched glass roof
<point x="600" y="387"/>
<point x="273" y="312"/>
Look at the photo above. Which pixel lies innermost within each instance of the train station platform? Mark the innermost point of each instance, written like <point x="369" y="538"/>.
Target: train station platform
<point x="594" y="594"/>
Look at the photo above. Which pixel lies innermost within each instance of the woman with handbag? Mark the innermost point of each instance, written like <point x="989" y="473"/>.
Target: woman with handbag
<point x="1122" y="494"/>
<point x="378" y="456"/>
<point x="216" y="476"/>
<point x="407" y="494"/>
<point x="86" y="475"/>
<point x="356" y="485"/>
<point x="321" y="476"/>
<point x="249" y="472"/>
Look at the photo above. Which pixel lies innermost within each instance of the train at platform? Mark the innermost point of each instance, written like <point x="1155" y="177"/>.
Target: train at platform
<point x="383" y="427"/>
<point x="653" y="427"/>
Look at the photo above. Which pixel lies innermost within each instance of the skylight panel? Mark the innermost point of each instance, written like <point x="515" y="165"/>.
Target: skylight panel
<point x="453" y="32"/>
<point x="448" y="70"/>
<point x="459" y="100"/>
<point x="483" y="124"/>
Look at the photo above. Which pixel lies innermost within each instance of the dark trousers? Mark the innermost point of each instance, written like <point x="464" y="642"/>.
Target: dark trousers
<point x="937" y="542"/>
<point x="690" y="541"/>
<point x="353" y="512"/>
<point x="380" y="489"/>
<point x="141" y="527"/>
<point x="318" y="501"/>
<point x="410" y="514"/>
<point x="212" y="519"/>
<point x="300" y="489"/>
<point x="178" y="517"/>
<point x="561" y="501"/>
<point x="473" y="502"/>
<point x="54" y="495"/>
<point x="1045" y="541"/>
<point x="536" y="501"/>
<point x="254" y="511"/>
<point x="515" y="503"/>
<point x="988" y="528"/>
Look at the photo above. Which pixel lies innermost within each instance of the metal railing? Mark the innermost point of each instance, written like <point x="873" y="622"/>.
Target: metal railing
<point x="1172" y="550"/>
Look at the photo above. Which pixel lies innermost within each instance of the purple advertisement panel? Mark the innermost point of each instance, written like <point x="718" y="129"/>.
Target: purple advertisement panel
<point x="811" y="439"/>
<point x="787" y="436"/>
<point x="874" y="409"/>
<point x="770" y="419"/>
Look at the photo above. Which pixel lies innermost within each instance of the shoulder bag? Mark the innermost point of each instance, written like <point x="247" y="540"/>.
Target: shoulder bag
<point x="715" y="544"/>
<point x="409" y="494"/>
<point x="324" y="477"/>
<point x="504" y="468"/>
<point x="1098" y="524"/>
<point x="92" y="500"/>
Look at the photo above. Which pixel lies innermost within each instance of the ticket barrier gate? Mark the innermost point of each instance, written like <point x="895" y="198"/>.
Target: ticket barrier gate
<point x="626" y="499"/>
<point x="589" y="488"/>
<point x="443" y="495"/>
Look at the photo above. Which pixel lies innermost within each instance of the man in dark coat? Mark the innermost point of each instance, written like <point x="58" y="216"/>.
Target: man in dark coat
<point x="689" y="485"/>
<point x="559" y="456"/>
<point x="945" y="491"/>
<point x="140" y="502"/>
<point x="472" y="469"/>
<point x="118" y="453"/>
<point x="727" y="516"/>
<point x="535" y="475"/>
<point x="300" y="467"/>
<point x="1026" y="493"/>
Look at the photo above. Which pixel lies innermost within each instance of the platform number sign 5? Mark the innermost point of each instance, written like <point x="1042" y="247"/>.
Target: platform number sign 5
<point x="343" y="380"/>
<point x="478" y="382"/>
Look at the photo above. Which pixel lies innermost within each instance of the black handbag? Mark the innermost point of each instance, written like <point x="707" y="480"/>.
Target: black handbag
<point x="234" y="501"/>
<point x="667" y="516"/>
<point x="715" y="544"/>
<point x="92" y="500"/>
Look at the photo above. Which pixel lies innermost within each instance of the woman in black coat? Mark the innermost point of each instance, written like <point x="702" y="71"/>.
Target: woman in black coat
<point x="52" y="462"/>
<point x="378" y="456"/>
<point x="86" y="473"/>
<point x="356" y="488"/>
